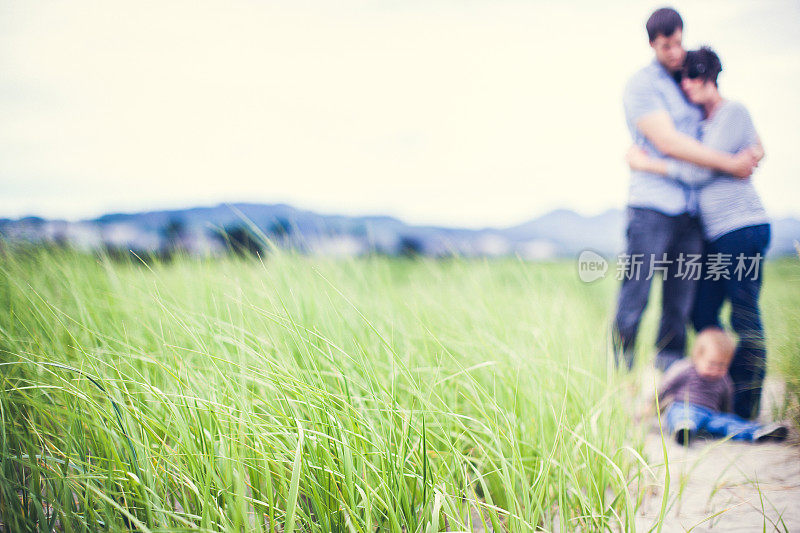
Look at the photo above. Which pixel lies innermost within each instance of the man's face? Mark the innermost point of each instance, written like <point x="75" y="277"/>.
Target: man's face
<point x="669" y="50"/>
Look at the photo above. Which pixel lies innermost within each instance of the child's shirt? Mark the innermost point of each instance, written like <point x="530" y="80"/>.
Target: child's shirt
<point x="682" y="383"/>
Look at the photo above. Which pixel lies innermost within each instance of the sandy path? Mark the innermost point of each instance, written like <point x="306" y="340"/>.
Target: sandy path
<point x="749" y="487"/>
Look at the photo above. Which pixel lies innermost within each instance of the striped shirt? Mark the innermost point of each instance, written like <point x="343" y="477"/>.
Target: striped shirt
<point x="652" y="89"/>
<point x="682" y="383"/>
<point x="726" y="203"/>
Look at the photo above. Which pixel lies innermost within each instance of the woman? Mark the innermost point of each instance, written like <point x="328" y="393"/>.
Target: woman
<point x="735" y="224"/>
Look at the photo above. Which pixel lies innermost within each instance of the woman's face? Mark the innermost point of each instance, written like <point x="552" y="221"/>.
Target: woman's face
<point x="697" y="90"/>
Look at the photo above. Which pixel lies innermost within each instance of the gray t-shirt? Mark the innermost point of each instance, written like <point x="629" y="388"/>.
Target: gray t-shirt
<point x="682" y="383"/>
<point x="726" y="203"/>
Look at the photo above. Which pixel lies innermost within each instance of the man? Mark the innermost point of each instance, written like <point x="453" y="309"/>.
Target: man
<point x="663" y="226"/>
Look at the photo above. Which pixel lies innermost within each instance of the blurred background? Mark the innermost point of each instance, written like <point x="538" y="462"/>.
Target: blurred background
<point x="392" y="114"/>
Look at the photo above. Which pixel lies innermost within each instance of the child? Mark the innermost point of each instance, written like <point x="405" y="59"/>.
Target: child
<point x="698" y="394"/>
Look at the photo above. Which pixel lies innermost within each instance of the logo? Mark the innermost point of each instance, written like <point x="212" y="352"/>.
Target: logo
<point x="591" y="266"/>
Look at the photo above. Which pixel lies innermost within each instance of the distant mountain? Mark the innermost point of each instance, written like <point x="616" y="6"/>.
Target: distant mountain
<point x="560" y="233"/>
<point x="572" y="233"/>
<point x="785" y="237"/>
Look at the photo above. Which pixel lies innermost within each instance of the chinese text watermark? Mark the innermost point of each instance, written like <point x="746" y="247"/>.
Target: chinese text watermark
<point x="716" y="266"/>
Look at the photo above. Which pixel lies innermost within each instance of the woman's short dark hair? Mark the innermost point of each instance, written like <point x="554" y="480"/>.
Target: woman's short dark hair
<point x="664" y="22"/>
<point x="703" y="64"/>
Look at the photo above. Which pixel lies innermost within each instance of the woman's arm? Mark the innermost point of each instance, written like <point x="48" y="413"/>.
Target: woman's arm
<point x="691" y="174"/>
<point x="638" y="159"/>
<point x="684" y="171"/>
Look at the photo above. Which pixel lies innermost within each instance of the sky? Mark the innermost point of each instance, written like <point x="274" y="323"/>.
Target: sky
<point x="459" y="113"/>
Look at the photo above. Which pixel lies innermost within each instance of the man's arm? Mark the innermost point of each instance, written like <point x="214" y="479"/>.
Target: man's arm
<point x="729" y="131"/>
<point x="659" y="129"/>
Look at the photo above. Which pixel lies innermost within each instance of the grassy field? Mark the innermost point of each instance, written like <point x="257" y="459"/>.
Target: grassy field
<point x="311" y="394"/>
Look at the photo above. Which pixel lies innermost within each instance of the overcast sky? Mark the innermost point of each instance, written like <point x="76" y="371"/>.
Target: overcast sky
<point x="437" y="111"/>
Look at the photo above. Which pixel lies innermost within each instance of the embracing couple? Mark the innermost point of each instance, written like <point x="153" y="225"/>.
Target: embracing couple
<point x="691" y="202"/>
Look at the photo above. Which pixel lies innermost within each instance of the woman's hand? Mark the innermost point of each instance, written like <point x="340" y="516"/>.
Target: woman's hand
<point x="637" y="158"/>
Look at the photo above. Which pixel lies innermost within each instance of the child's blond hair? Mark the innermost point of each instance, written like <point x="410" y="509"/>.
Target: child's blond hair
<point x="717" y="337"/>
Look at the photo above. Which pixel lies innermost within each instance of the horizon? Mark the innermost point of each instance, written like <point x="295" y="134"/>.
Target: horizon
<point x="330" y="213"/>
<point x="326" y="213"/>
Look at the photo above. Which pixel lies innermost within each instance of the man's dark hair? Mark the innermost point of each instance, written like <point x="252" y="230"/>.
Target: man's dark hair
<point x="703" y="64"/>
<point x="664" y="22"/>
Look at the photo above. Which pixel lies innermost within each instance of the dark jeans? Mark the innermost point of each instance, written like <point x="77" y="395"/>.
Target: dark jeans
<point x="742" y="290"/>
<point x="653" y="234"/>
<point x="701" y="419"/>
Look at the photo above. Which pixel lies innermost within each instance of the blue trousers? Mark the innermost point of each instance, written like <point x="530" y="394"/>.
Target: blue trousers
<point x="652" y="234"/>
<point x="704" y="420"/>
<point x="749" y="361"/>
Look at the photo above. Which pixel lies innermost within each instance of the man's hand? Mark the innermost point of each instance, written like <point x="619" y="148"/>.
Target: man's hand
<point x="758" y="151"/>
<point x="744" y="162"/>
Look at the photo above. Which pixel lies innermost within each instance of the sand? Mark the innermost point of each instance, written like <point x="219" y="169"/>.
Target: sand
<point x="725" y="485"/>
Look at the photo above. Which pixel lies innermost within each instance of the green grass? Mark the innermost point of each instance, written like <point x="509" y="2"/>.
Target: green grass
<point x="780" y="302"/>
<point x="311" y="394"/>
